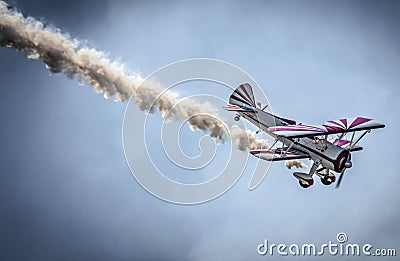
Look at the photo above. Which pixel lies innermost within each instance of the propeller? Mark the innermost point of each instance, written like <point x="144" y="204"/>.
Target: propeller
<point x="347" y="164"/>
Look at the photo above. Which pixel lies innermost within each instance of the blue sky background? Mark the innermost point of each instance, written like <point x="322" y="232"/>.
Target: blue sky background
<point x="67" y="193"/>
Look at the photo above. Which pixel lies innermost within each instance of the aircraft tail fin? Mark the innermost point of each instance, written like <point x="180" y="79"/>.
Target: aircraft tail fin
<point x="243" y="96"/>
<point x="242" y="100"/>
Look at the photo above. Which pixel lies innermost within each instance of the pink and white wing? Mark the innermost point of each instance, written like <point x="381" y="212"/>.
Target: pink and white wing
<point x="329" y="127"/>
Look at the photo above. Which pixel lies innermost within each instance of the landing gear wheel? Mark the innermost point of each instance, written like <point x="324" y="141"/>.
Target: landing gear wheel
<point x="327" y="180"/>
<point x="304" y="185"/>
<point x="237" y="118"/>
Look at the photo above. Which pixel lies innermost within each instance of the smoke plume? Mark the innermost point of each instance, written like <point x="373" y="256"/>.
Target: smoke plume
<point x="246" y="139"/>
<point x="295" y="163"/>
<point x="61" y="54"/>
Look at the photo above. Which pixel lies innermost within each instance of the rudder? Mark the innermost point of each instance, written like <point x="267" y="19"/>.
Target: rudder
<point x="243" y="96"/>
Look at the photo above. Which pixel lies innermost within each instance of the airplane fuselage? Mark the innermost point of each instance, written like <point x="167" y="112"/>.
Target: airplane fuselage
<point x="321" y="151"/>
<point x="301" y="141"/>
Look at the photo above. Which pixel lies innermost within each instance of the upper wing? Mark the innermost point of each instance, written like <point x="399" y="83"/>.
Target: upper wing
<point x="329" y="127"/>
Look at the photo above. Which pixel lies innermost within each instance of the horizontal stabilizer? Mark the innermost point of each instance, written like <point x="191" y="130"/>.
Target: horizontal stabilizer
<point x="237" y="108"/>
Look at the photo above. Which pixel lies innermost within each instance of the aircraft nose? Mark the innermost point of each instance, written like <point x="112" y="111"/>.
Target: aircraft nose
<point x="348" y="164"/>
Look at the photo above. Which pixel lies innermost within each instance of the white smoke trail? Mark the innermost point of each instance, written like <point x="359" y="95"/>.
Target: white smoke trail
<point x="246" y="139"/>
<point x="61" y="54"/>
<point x="295" y="163"/>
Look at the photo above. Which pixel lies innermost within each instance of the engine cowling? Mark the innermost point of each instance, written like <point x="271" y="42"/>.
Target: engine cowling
<point x="331" y="156"/>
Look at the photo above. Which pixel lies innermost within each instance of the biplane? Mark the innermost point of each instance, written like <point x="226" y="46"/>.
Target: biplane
<point x="327" y="145"/>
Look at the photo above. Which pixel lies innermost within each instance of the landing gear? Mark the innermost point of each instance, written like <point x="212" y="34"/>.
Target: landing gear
<point x="306" y="180"/>
<point x="306" y="184"/>
<point x="237" y="118"/>
<point x="326" y="176"/>
<point x="328" y="179"/>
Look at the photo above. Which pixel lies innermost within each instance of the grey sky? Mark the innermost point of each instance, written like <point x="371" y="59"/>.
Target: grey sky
<point x="67" y="193"/>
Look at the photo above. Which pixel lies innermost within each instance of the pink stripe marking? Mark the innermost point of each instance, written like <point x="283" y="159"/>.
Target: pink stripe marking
<point x="244" y="90"/>
<point x="344" y="122"/>
<point x="245" y="98"/>
<point x="332" y="128"/>
<point x="336" y="123"/>
<point x="297" y="128"/>
<point x="341" y="143"/>
<point x="265" y="152"/>
<point x="359" y="121"/>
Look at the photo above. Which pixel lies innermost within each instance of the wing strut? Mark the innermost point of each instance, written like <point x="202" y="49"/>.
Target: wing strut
<point x="359" y="138"/>
<point x="273" y="144"/>
<point x="288" y="149"/>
